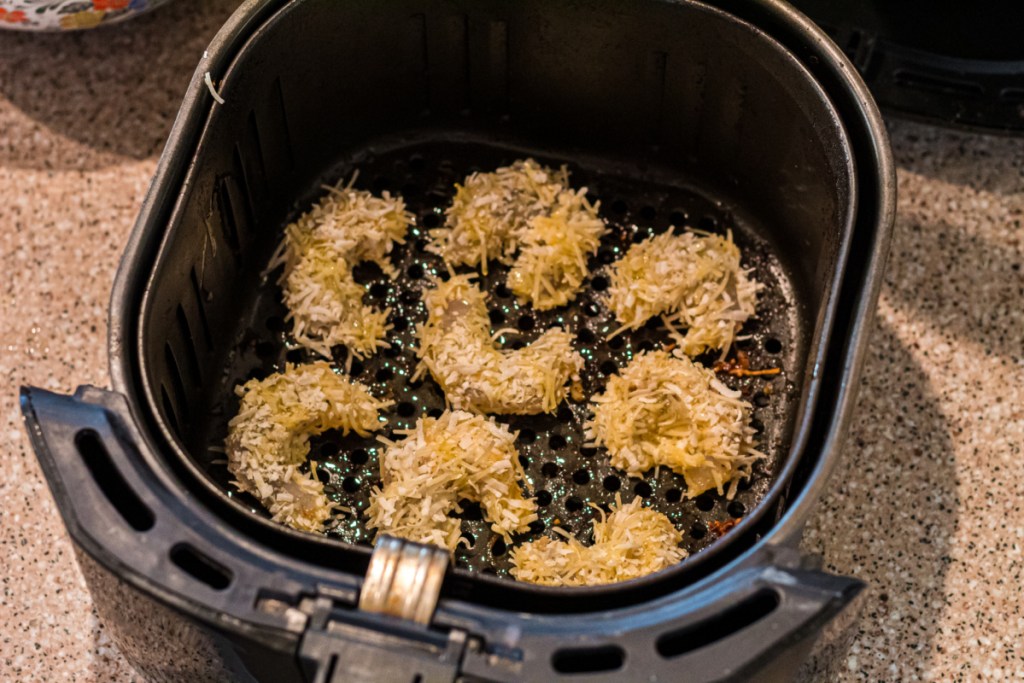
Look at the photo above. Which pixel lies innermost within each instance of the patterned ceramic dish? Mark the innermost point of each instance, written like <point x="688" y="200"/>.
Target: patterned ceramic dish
<point x="69" y="15"/>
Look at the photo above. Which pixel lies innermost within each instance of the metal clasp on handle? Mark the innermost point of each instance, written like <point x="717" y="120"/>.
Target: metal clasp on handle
<point x="404" y="579"/>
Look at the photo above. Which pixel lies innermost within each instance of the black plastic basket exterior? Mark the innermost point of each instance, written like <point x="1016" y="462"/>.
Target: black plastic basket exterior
<point x="162" y="551"/>
<point x="943" y="63"/>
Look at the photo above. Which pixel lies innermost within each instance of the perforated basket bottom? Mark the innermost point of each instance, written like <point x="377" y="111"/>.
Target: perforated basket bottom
<point x="564" y="475"/>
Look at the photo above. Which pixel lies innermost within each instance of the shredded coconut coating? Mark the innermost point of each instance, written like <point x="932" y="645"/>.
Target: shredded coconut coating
<point x="694" y="282"/>
<point x="670" y="411"/>
<point x="457" y="348"/>
<point x="269" y="437"/>
<point x="491" y="210"/>
<point x="319" y="251"/>
<point x="632" y="541"/>
<point x="525" y="207"/>
<point x="440" y="462"/>
<point x="552" y="264"/>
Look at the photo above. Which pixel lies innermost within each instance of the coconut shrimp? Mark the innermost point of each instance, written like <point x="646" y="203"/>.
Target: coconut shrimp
<point x="441" y="461"/>
<point x="319" y="251"/>
<point x="527" y="208"/>
<point x="477" y="376"/>
<point x="670" y="411"/>
<point x="632" y="541"/>
<point x="694" y="282"/>
<point x="269" y="437"/>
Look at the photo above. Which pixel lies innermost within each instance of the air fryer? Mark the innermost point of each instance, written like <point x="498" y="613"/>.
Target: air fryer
<point x="733" y="115"/>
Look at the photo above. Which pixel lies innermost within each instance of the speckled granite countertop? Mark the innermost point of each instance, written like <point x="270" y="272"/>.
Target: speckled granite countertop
<point x="926" y="507"/>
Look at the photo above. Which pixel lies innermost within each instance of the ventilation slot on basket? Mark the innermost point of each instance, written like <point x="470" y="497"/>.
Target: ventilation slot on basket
<point x="111" y="483"/>
<point x="285" y="135"/>
<point x="853" y="44"/>
<point x="1012" y="94"/>
<point x="419" y="29"/>
<point x="489" y="68"/>
<point x="191" y="355"/>
<point x="256" y="151"/>
<point x="718" y="627"/>
<point x="228" y="215"/>
<point x="584" y="660"/>
<point x="176" y="380"/>
<point x="169" y="411"/>
<point x="244" y="184"/>
<point x="937" y="84"/>
<point x="656" y="71"/>
<point x="447" y="60"/>
<point x="201" y="567"/>
<point x="204" y="324"/>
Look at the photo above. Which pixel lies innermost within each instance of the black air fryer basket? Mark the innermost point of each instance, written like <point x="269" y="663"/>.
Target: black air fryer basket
<point x="727" y="115"/>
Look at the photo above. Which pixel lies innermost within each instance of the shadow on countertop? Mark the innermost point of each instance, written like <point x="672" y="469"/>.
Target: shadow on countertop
<point x="971" y="287"/>
<point x="889" y="514"/>
<point x="990" y="163"/>
<point x="893" y="507"/>
<point x="115" y="89"/>
<point x="956" y="191"/>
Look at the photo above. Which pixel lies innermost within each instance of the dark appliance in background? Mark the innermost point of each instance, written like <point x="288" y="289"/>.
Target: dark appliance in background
<point x="944" y="62"/>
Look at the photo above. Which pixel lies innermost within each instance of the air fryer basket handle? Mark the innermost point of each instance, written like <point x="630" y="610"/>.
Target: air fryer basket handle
<point x="128" y="513"/>
<point x="773" y="622"/>
<point x="768" y="622"/>
<point x="77" y="444"/>
<point x="798" y="619"/>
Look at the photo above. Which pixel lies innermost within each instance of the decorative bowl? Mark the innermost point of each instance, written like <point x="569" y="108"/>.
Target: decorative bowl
<point x="69" y="15"/>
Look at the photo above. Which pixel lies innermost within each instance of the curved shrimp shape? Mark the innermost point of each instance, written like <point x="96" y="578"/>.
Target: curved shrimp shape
<point x="457" y="348"/>
<point x="632" y="541"/>
<point x="692" y="281"/>
<point x="664" y="410"/>
<point x="527" y="208"/>
<point x="319" y="251"/>
<point x="438" y="463"/>
<point x="269" y="437"/>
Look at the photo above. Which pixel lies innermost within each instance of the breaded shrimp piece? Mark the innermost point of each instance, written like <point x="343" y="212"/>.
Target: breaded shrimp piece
<point x="456" y="347"/>
<point x="692" y="281"/>
<point x="530" y="209"/>
<point x="552" y="263"/>
<point x="632" y="541"/>
<point x="269" y="437"/>
<point x="491" y="210"/>
<point x="319" y="251"/>
<point x="440" y="462"/>
<point x="668" y="411"/>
